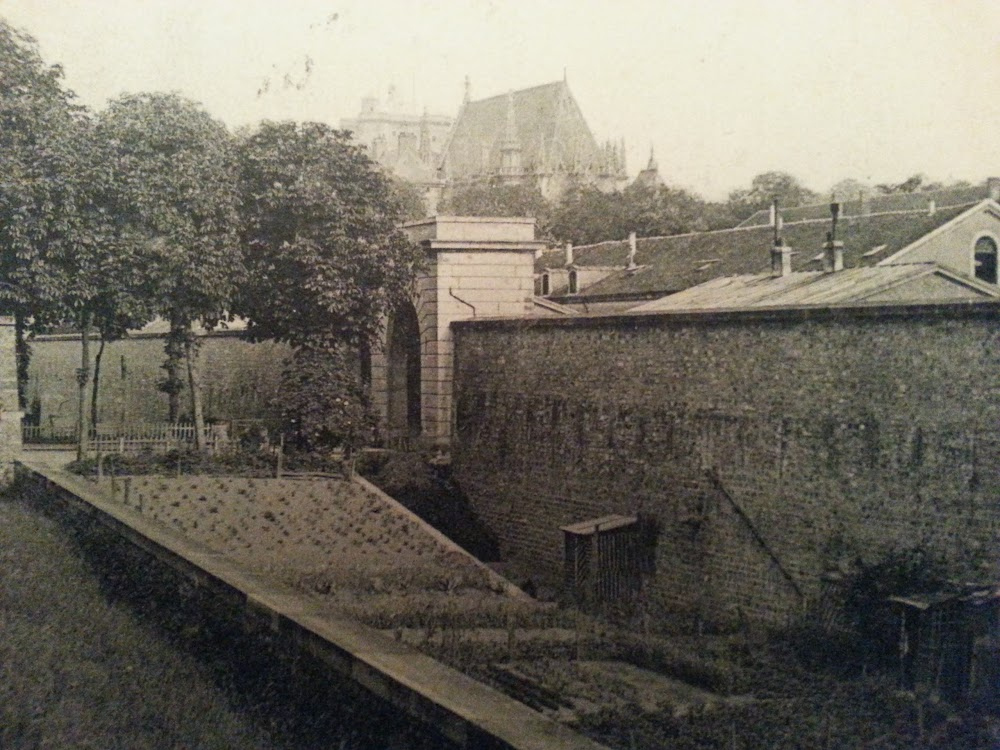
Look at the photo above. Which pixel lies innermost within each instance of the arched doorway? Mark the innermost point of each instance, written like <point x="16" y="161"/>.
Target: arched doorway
<point x="403" y="374"/>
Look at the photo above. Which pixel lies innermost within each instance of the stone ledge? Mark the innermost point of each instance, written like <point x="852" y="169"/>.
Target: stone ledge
<point x="462" y="709"/>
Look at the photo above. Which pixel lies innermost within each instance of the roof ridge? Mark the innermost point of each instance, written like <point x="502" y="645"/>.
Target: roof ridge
<point x="515" y="92"/>
<point x="885" y="195"/>
<point x="799" y="222"/>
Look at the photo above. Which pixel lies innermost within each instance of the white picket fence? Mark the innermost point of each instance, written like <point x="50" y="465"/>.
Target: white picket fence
<point x="156" y="437"/>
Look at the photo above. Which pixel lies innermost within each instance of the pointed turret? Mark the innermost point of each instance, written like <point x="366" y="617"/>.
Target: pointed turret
<point x="650" y="176"/>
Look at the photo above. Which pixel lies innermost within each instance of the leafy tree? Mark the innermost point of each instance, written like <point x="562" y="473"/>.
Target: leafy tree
<point x="326" y="261"/>
<point x="103" y="283"/>
<point x="659" y="210"/>
<point x="497" y="199"/>
<point x="38" y="127"/>
<point x="765" y="188"/>
<point x="324" y="402"/>
<point x="409" y="198"/>
<point x="848" y="189"/>
<point x="909" y="185"/>
<point x="175" y="193"/>
<point x="586" y="215"/>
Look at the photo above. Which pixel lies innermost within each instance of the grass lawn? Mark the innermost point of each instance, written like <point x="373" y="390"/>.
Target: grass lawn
<point x="95" y="654"/>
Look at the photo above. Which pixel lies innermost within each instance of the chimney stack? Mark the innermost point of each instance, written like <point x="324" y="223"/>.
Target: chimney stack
<point x="781" y="259"/>
<point x="569" y="253"/>
<point x="833" y="254"/>
<point x="781" y="256"/>
<point x="833" y="250"/>
<point x="994" y="186"/>
<point x="931" y="207"/>
<point x="631" y="251"/>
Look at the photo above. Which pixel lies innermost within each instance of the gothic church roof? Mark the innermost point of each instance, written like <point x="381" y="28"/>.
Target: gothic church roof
<point x="550" y="131"/>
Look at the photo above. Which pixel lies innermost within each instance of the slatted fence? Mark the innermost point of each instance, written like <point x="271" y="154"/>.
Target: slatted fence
<point x="157" y="437"/>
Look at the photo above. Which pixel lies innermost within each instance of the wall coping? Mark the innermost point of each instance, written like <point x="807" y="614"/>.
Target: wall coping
<point x="138" y="335"/>
<point x="481" y="245"/>
<point x="989" y="309"/>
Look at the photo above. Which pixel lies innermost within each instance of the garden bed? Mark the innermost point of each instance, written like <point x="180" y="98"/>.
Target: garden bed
<point x="368" y="558"/>
<point x="328" y="537"/>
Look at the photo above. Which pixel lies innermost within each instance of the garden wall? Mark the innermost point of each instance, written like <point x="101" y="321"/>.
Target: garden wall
<point x="240" y="380"/>
<point x="768" y="447"/>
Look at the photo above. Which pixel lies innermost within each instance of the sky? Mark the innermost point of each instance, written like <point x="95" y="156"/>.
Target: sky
<point x="723" y="90"/>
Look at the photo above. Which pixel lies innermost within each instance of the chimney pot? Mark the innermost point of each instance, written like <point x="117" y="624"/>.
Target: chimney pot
<point x="631" y="250"/>
<point x="569" y="253"/>
<point x="931" y="207"/>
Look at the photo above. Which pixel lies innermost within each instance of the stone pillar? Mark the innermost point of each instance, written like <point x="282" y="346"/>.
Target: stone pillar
<point x="476" y="268"/>
<point x="10" y="414"/>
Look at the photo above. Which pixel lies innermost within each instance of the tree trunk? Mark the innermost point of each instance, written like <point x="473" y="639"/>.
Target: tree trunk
<point x="23" y="358"/>
<point x="191" y="352"/>
<point x="97" y="381"/>
<point x="82" y="378"/>
<point x="174" y="349"/>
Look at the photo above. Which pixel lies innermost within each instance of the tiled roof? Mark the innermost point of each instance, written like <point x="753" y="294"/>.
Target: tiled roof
<point x="877" y="203"/>
<point x="670" y="264"/>
<point x="551" y="133"/>
<point x="812" y="288"/>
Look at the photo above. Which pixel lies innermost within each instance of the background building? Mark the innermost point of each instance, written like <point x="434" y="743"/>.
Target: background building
<point x="537" y="136"/>
<point x="408" y="145"/>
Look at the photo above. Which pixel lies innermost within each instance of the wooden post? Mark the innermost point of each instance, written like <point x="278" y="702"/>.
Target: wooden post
<point x="82" y="378"/>
<point x="281" y="455"/>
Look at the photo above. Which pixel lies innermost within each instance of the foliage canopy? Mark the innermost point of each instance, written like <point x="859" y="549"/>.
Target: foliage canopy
<point x="325" y="258"/>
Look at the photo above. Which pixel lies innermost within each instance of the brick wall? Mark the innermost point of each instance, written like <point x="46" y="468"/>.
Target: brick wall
<point x="770" y="446"/>
<point x="239" y="380"/>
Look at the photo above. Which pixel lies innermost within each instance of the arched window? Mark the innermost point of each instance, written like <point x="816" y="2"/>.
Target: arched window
<point x="985" y="260"/>
<point x="574" y="286"/>
<point x="545" y="285"/>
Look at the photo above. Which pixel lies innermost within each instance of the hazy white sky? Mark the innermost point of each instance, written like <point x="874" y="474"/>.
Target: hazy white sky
<point x="724" y="89"/>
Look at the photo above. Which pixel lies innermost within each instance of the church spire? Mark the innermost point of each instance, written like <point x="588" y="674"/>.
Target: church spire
<point x="468" y="88"/>
<point x="652" y="166"/>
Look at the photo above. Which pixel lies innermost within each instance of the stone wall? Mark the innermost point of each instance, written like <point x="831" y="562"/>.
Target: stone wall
<point x="769" y="447"/>
<point x="239" y="380"/>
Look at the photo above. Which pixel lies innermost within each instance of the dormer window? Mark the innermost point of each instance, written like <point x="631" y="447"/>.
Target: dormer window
<point x="985" y="260"/>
